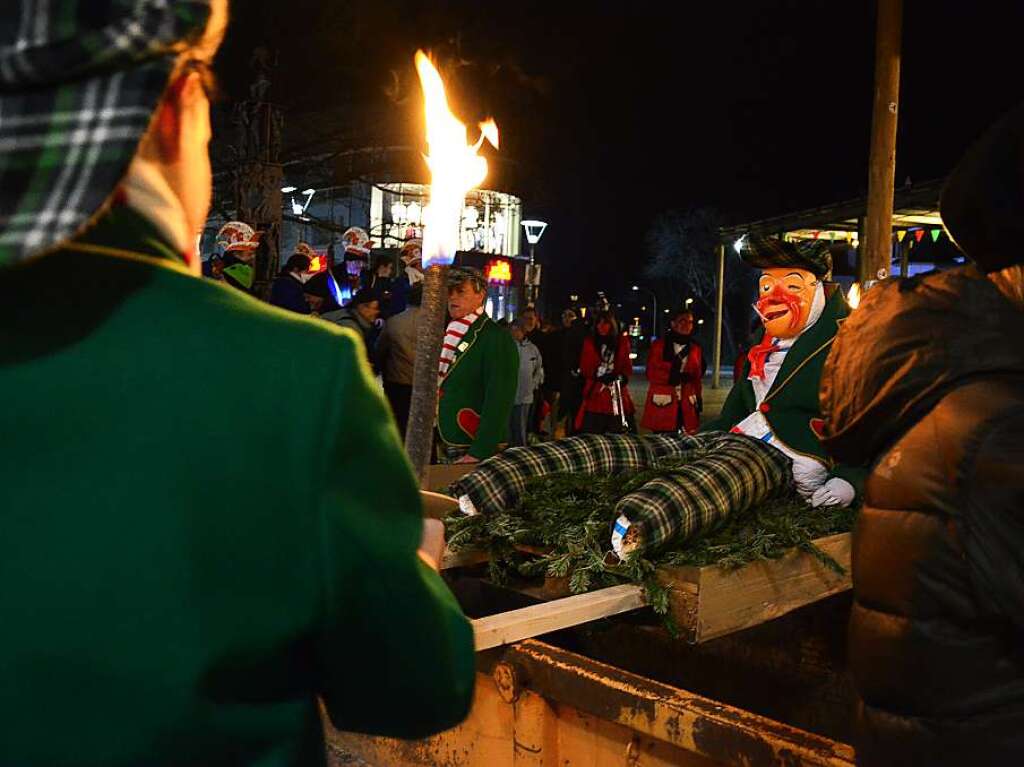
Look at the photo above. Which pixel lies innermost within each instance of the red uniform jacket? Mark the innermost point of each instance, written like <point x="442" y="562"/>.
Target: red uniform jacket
<point x="597" y="397"/>
<point x="659" y="372"/>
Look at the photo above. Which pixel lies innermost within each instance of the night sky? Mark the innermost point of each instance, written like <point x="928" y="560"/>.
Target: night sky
<point x="613" y="112"/>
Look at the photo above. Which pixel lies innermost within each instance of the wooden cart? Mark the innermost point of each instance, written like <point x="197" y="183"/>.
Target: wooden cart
<point x="756" y="677"/>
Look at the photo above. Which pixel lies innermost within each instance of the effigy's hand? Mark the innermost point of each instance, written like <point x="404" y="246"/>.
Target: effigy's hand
<point x="835" y="492"/>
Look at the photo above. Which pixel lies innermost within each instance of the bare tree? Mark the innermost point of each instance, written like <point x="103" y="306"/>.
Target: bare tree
<point x="682" y="248"/>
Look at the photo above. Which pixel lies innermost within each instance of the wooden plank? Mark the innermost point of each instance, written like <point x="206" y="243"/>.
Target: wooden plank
<point x="439" y="476"/>
<point x="514" y="625"/>
<point x="712" y="601"/>
<point x="437" y="506"/>
<point x="463" y="558"/>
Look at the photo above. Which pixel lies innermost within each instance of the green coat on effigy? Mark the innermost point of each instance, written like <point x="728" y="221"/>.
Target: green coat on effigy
<point x="475" y="399"/>
<point x="792" y="407"/>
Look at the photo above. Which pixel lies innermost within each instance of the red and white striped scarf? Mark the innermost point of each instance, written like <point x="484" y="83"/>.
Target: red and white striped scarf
<point x="452" y="338"/>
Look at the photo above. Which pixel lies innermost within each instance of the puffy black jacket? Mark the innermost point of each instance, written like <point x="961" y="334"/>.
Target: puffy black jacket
<point x="926" y="382"/>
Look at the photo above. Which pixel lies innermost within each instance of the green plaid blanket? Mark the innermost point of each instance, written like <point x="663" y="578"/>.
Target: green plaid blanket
<point x="499" y="481"/>
<point x="728" y="474"/>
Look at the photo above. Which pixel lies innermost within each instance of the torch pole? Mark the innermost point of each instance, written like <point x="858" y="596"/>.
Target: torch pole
<point x="419" y="435"/>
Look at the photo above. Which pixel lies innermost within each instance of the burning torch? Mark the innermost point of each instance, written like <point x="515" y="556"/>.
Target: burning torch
<point x="455" y="168"/>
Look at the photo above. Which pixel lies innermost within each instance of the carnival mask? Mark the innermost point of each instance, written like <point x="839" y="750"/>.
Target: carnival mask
<point x="784" y="300"/>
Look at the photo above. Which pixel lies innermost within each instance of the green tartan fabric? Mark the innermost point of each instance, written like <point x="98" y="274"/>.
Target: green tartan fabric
<point x="728" y="474"/>
<point x="79" y="82"/>
<point x="499" y="481"/>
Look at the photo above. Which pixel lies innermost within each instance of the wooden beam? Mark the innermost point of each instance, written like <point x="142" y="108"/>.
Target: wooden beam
<point x="514" y="625"/>
<point x="876" y="251"/>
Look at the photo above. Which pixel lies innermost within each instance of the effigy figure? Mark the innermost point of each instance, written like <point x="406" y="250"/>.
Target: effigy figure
<point x="765" y="444"/>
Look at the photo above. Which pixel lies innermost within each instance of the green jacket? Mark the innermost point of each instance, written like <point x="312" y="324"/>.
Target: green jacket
<point x="206" y="521"/>
<point x="792" y="402"/>
<point x="475" y="401"/>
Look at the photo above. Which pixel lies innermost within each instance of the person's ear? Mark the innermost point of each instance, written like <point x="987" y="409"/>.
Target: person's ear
<point x="178" y="106"/>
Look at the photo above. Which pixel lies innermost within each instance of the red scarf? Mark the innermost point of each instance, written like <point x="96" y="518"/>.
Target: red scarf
<point x="758" y="355"/>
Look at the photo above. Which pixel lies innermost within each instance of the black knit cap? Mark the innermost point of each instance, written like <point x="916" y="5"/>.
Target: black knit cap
<point x="982" y="203"/>
<point x="770" y="253"/>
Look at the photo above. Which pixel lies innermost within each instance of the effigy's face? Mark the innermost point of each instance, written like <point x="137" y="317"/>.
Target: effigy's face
<point x="784" y="300"/>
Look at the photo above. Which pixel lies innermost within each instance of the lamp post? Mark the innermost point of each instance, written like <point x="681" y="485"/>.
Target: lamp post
<point x="534" y="231"/>
<point x="654" y="310"/>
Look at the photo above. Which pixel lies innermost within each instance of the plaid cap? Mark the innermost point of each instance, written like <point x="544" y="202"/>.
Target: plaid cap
<point x="460" y="274"/>
<point x="79" y="82"/>
<point x="770" y="253"/>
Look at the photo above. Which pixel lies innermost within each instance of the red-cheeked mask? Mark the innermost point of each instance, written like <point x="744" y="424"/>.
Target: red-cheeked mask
<point x="785" y="295"/>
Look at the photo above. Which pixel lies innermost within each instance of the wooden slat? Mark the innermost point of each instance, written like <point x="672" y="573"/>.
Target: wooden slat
<point x="437" y="506"/>
<point x="514" y="625"/>
<point x="439" y="476"/>
<point x="463" y="558"/>
<point x="711" y="601"/>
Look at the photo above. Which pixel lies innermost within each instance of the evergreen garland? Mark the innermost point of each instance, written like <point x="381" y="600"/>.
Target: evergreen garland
<point x="567" y="519"/>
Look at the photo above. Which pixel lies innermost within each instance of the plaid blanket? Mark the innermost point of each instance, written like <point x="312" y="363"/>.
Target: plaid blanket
<point x="729" y="473"/>
<point x="499" y="481"/>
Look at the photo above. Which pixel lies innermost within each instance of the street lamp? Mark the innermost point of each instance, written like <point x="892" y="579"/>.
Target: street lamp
<point x="534" y="231"/>
<point x="654" y="311"/>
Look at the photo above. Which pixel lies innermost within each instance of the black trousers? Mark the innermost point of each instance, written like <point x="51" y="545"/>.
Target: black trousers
<point x="400" y="398"/>
<point x="605" y="423"/>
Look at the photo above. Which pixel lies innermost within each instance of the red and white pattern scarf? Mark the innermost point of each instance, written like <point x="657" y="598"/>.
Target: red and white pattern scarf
<point x="452" y="338"/>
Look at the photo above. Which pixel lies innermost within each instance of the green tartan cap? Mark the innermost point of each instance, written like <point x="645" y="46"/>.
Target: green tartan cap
<point x="79" y="82"/>
<point x="770" y="253"/>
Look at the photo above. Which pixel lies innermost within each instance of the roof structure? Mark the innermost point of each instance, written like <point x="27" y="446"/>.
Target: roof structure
<point x="914" y="206"/>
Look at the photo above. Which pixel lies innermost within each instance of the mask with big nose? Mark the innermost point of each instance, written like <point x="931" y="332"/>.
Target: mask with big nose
<point x="784" y="303"/>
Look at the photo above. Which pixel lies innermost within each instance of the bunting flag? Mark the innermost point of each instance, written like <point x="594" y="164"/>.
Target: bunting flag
<point x="935" y="234"/>
<point x="918" y="234"/>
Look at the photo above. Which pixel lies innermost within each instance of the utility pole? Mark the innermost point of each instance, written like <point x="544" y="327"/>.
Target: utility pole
<point x="719" y="311"/>
<point x="876" y="249"/>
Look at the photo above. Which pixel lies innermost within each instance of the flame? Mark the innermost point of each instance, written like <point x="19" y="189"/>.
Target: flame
<point x="853" y="296"/>
<point x="455" y="166"/>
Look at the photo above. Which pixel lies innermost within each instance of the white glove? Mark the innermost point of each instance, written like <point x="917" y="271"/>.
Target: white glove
<point x="467" y="507"/>
<point x="661" y="400"/>
<point x="835" y="492"/>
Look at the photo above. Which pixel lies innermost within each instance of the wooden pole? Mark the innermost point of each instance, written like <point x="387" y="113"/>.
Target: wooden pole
<point x="719" y="310"/>
<point x="877" y="247"/>
<point x="419" y="435"/>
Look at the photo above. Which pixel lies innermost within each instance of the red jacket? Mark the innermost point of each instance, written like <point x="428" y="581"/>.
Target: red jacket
<point x="659" y="371"/>
<point x="597" y="397"/>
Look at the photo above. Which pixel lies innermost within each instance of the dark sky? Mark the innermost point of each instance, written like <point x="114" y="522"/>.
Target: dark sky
<point x="615" y="111"/>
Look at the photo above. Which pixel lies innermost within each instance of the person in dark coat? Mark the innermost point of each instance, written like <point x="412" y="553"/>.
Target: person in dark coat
<point x="925" y="382"/>
<point x="287" y="291"/>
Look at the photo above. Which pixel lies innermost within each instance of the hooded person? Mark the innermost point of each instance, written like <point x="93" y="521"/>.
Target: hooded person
<point x="925" y="383"/>
<point x="766" y="440"/>
<point x="164" y="615"/>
